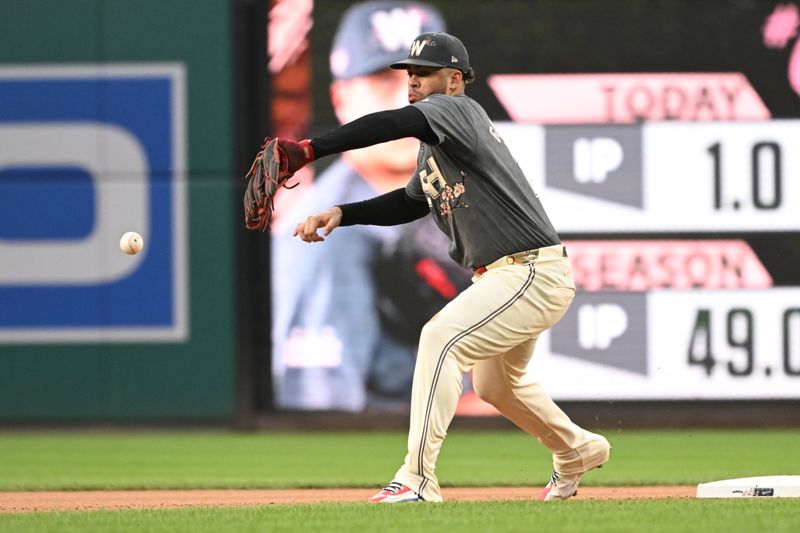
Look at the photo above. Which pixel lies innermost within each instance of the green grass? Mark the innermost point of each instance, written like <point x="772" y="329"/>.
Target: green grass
<point x="134" y="460"/>
<point x="150" y="460"/>
<point x="723" y="516"/>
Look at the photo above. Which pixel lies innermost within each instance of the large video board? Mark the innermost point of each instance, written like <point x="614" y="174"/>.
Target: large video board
<point x="664" y="141"/>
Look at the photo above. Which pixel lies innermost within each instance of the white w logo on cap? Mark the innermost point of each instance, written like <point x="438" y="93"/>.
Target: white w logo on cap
<point x="396" y="27"/>
<point x="416" y="48"/>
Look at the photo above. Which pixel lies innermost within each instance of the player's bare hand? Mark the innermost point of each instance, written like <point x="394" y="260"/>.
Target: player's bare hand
<point x="328" y="220"/>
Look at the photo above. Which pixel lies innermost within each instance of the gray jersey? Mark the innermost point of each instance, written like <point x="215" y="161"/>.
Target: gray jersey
<point x="477" y="192"/>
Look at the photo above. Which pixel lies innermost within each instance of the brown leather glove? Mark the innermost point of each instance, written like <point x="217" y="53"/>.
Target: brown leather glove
<point x="268" y="173"/>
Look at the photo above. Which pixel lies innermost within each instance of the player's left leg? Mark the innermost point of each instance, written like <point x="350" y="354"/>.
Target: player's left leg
<point x="501" y="382"/>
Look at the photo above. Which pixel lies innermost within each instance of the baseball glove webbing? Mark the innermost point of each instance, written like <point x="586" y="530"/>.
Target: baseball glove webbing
<point x="268" y="173"/>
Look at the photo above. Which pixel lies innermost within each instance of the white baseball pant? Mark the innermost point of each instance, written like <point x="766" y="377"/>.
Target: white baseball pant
<point x="492" y="328"/>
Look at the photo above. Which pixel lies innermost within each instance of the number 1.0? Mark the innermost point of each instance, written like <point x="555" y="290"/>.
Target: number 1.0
<point x="758" y="182"/>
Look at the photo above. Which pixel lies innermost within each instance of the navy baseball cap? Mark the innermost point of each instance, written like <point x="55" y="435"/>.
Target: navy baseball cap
<point x="371" y="35"/>
<point x="436" y="50"/>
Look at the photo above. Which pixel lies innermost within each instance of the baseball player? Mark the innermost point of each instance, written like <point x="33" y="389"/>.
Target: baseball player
<point x="468" y="181"/>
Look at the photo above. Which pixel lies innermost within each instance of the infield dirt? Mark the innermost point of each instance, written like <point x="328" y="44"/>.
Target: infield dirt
<point x="162" y="499"/>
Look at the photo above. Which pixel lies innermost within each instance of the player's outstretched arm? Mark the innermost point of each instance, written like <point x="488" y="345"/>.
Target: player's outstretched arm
<point x="368" y="130"/>
<point x="375" y="128"/>
<point x="328" y="220"/>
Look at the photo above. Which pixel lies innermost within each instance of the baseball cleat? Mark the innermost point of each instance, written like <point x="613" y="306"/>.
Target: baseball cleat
<point x="395" y="492"/>
<point x="562" y="487"/>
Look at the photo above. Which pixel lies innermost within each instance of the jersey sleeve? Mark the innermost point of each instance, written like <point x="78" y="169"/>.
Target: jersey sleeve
<point x="414" y="188"/>
<point x="451" y="119"/>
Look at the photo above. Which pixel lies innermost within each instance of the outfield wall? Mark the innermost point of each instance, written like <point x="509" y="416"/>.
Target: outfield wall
<point x="129" y="104"/>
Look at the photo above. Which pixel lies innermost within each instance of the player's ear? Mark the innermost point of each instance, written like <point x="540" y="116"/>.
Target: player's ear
<point x="455" y="80"/>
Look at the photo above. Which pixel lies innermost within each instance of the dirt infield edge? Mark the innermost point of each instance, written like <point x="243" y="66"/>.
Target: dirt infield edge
<point x="163" y="499"/>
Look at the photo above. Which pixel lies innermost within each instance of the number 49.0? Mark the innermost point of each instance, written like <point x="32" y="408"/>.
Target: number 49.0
<point x="738" y="333"/>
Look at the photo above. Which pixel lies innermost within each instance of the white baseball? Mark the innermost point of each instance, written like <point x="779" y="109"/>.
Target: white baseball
<point x="131" y="243"/>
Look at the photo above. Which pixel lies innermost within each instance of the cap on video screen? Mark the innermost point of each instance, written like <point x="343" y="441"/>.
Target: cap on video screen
<point x="372" y="35"/>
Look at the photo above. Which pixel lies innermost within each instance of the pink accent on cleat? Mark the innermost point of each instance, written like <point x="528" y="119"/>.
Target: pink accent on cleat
<point x="559" y="488"/>
<point x="395" y="492"/>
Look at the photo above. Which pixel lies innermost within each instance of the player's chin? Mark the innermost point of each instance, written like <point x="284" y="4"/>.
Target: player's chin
<point x="413" y="98"/>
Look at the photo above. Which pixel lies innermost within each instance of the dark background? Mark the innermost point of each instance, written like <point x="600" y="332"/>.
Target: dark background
<point x="583" y="36"/>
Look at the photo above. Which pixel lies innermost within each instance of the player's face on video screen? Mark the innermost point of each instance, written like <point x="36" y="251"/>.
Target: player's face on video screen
<point x="380" y="91"/>
<point x="360" y="96"/>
